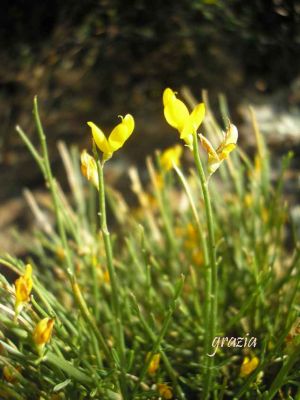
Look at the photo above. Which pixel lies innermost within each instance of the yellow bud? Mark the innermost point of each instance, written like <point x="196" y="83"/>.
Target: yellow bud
<point x="154" y="363"/>
<point x="248" y="366"/>
<point x="165" y="391"/>
<point x="23" y="287"/>
<point x="89" y="168"/>
<point x="216" y="157"/>
<point x="42" y="331"/>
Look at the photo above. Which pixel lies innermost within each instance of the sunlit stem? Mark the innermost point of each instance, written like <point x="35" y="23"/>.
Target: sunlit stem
<point x="211" y="274"/>
<point x="111" y="269"/>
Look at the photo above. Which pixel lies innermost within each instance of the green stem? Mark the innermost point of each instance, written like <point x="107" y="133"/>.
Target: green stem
<point x="211" y="276"/>
<point x="69" y="369"/>
<point x="89" y="318"/>
<point x="279" y="381"/>
<point x="112" y="273"/>
<point x="152" y="336"/>
<point x="159" y="338"/>
<point x="51" y="184"/>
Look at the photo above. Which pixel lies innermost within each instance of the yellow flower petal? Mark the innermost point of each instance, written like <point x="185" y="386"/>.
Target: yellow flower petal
<point x="197" y="115"/>
<point x="23" y="287"/>
<point x="154" y="364"/>
<point x="208" y="147"/>
<point x="227" y="149"/>
<point x="165" y="391"/>
<point x="42" y="332"/>
<point x="168" y="95"/>
<point x="175" y="111"/>
<point x="129" y="121"/>
<point x="248" y="366"/>
<point x="231" y="135"/>
<point x="100" y="138"/>
<point x="121" y="133"/>
<point x="213" y="164"/>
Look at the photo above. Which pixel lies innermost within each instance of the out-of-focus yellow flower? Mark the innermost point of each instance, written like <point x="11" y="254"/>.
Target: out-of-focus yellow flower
<point x="248" y="366"/>
<point x="165" y="391"/>
<point x="42" y="332"/>
<point x="248" y="200"/>
<point x="170" y="157"/>
<point x="23" y="287"/>
<point x="89" y="168"/>
<point x="154" y="363"/>
<point x="197" y="257"/>
<point x="10" y="373"/>
<point x="60" y="253"/>
<point x="116" y="139"/>
<point x="178" y="116"/>
<point x="106" y="276"/>
<point x="216" y="157"/>
<point x="265" y="215"/>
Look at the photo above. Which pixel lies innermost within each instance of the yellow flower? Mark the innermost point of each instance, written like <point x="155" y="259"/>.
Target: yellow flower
<point x="171" y="156"/>
<point x="154" y="363"/>
<point x="216" y="157"/>
<point x="248" y="366"/>
<point x="116" y="139"/>
<point x="89" y="168"/>
<point x="42" y="332"/>
<point x="23" y="287"/>
<point x="165" y="391"/>
<point x="178" y="116"/>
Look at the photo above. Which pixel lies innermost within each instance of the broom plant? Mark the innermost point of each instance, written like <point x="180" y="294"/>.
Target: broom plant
<point x="192" y="293"/>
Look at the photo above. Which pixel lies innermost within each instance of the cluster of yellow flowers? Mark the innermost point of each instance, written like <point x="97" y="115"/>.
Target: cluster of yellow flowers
<point x="178" y="116"/>
<point x="43" y="329"/>
<point x="163" y="389"/>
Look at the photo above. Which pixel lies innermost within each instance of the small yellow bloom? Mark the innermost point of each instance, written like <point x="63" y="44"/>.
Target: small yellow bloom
<point x="154" y="363"/>
<point x="178" y="116"/>
<point x="170" y="157"/>
<point x="89" y="168"/>
<point x="116" y="139"/>
<point x="248" y="366"/>
<point x="216" y="157"/>
<point x="23" y="287"/>
<point x="165" y="391"/>
<point x="42" y="332"/>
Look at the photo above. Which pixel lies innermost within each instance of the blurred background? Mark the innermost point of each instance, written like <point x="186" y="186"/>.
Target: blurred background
<point x="94" y="60"/>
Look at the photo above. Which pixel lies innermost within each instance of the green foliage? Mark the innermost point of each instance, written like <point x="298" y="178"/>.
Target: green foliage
<point x="120" y="299"/>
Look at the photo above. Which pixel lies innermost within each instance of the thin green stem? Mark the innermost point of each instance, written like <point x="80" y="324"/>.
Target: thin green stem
<point x="119" y="332"/>
<point x="281" y="376"/>
<point x="51" y="183"/>
<point x="211" y="276"/>
<point x="160" y="336"/>
<point x="89" y="318"/>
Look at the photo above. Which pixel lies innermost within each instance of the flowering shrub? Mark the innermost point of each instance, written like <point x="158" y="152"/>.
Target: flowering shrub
<point x="135" y="314"/>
